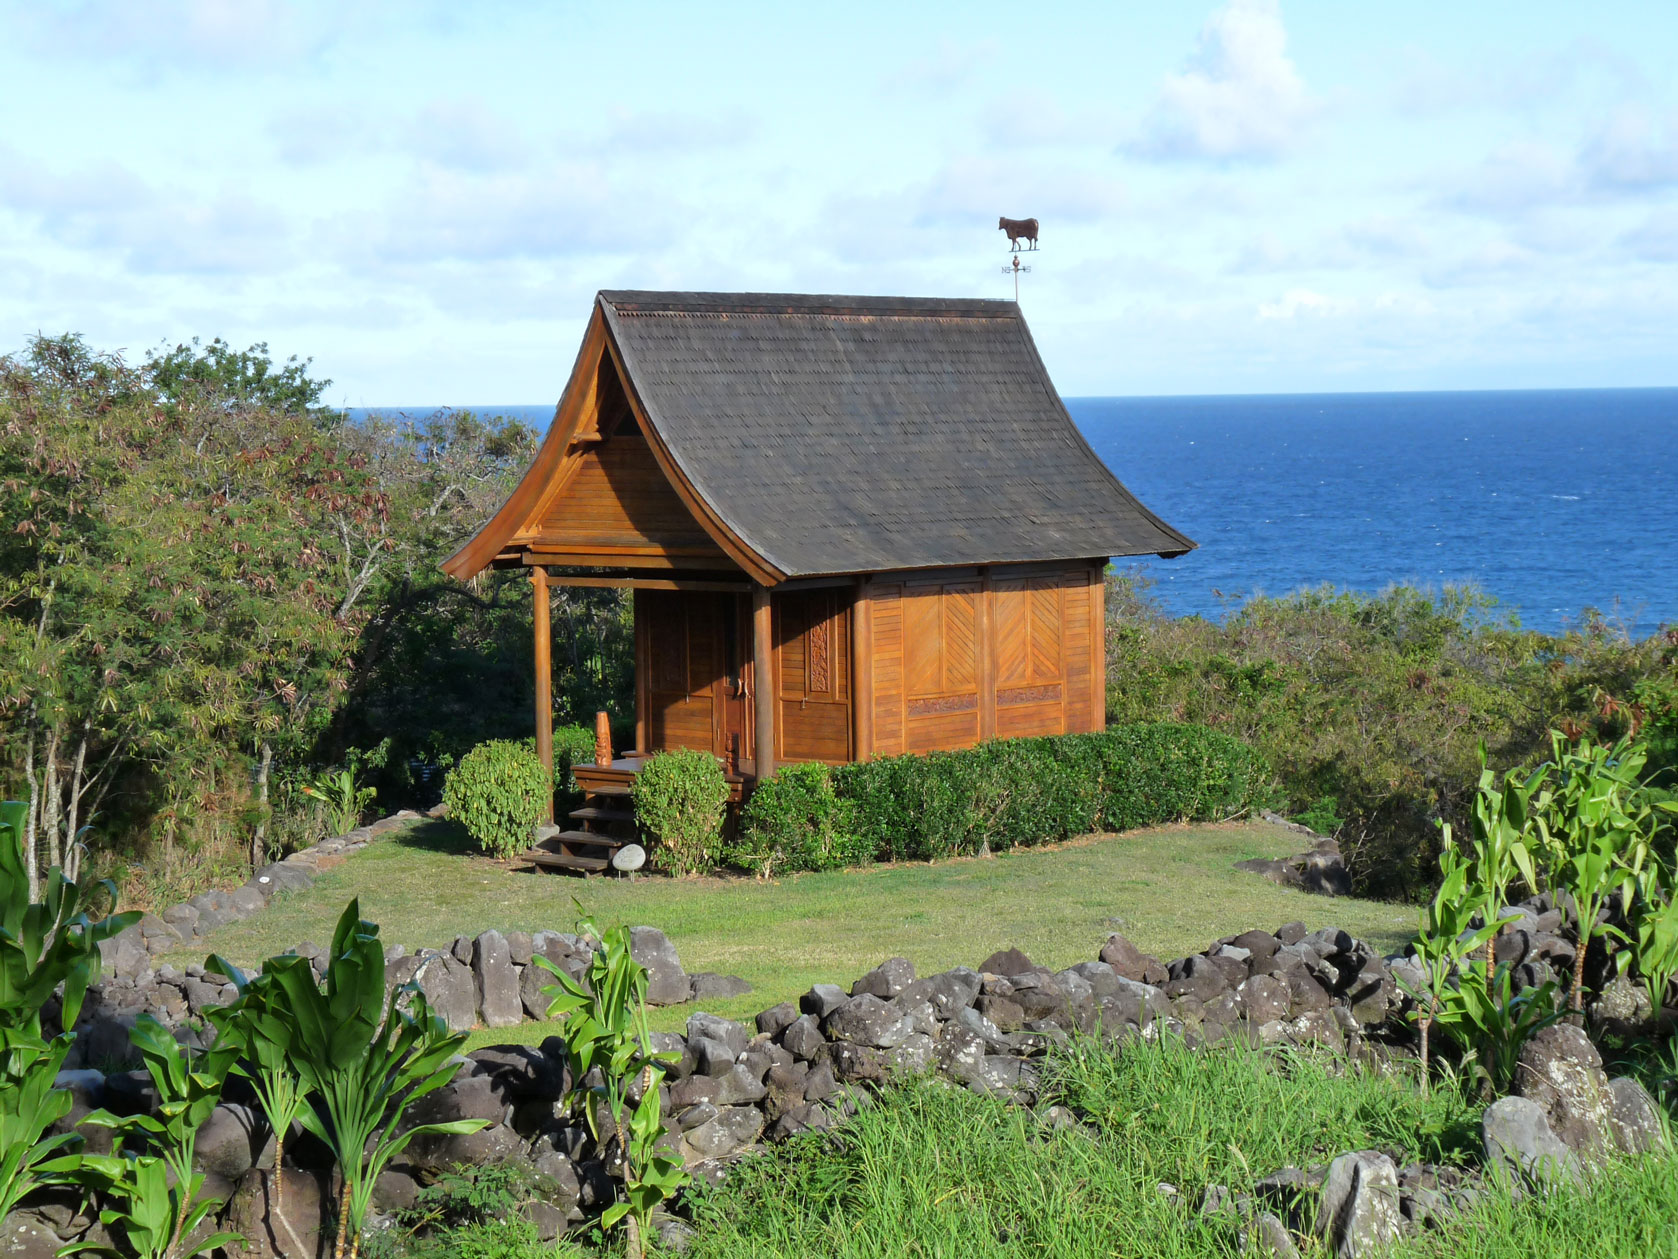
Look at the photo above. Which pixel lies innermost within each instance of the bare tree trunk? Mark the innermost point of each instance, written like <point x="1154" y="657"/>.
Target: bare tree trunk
<point x="259" y="841"/>
<point x="1577" y="1000"/>
<point x="31" y="862"/>
<point x="1425" y="1025"/>
<point x="72" y="849"/>
<point x="50" y="804"/>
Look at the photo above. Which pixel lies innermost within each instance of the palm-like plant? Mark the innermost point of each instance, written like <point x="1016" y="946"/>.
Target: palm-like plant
<point x="259" y="1026"/>
<point x="366" y="1059"/>
<point x="606" y="1028"/>
<point x="159" y="1203"/>
<point x="45" y="946"/>
<point x="1508" y="840"/>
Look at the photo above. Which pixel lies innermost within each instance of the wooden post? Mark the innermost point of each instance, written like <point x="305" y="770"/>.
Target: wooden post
<point x="603" y="739"/>
<point x="763" y="671"/>
<point x="544" y="680"/>
<point x="862" y="676"/>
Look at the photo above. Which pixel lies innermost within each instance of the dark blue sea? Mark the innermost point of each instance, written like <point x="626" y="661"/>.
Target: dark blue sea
<point x="1550" y="501"/>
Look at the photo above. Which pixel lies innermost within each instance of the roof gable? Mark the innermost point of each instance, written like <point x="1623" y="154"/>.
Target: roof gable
<point x="812" y="435"/>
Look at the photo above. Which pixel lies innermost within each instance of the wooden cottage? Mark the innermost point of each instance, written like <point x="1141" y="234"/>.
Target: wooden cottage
<point x="854" y="527"/>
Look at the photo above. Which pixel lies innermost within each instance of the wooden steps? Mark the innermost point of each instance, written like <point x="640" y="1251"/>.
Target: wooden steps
<point x="604" y="822"/>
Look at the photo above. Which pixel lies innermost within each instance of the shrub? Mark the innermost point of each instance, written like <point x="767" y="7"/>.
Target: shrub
<point x="573" y="745"/>
<point x="1012" y="793"/>
<point x="795" y="821"/>
<point x="497" y="793"/>
<point x="680" y="800"/>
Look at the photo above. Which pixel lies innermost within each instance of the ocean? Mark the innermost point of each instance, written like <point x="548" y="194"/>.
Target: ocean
<point x="1551" y="501"/>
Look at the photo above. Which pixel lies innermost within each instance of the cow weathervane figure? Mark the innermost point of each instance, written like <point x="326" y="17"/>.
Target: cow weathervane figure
<point x="1018" y="230"/>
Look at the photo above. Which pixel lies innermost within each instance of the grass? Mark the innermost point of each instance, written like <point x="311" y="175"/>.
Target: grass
<point x="933" y="1172"/>
<point x="1172" y="890"/>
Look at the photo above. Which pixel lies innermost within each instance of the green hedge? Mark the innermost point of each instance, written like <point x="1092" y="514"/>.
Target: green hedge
<point x="1007" y="793"/>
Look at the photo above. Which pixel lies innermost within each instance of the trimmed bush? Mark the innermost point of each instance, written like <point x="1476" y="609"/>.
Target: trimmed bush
<point x="680" y="800"/>
<point x="1012" y="793"/>
<point x="794" y="821"/>
<point x="497" y="793"/>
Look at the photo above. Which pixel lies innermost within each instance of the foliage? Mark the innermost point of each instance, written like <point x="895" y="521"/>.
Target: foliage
<point x="366" y="1059"/>
<point x="680" y="801"/>
<point x="259" y="1027"/>
<point x="46" y="947"/>
<point x="1382" y="701"/>
<point x="795" y="821"/>
<point x="30" y="1103"/>
<point x="207" y="579"/>
<point x="159" y="1199"/>
<point x="1600" y="833"/>
<point x="573" y="745"/>
<point x="1452" y="928"/>
<point x="1655" y="946"/>
<point x="498" y="792"/>
<point x="341" y="792"/>
<point x="605" y="1030"/>
<point x="1020" y="792"/>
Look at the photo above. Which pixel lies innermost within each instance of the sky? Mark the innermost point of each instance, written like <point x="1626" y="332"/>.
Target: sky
<point x="1245" y="197"/>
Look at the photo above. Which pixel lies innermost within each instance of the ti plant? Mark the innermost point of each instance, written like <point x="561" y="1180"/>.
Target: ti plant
<point x="43" y="945"/>
<point x="1602" y="830"/>
<point x="260" y="1026"/>
<point x="366" y="1059"/>
<point x="1446" y="938"/>
<point x="605" y="1031"/>
<point x="1656" y="946"/>
<point x="341" y="792"/>
<point x="160" y="1203"/>
<point x="1507" y="840"/>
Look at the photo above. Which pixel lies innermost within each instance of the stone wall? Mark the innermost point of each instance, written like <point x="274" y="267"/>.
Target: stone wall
<point x="806" y="1065"/>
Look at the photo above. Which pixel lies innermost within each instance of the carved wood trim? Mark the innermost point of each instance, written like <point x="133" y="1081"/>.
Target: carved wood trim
<point x="936" y="704"/>
<point x="1028" y="695"/>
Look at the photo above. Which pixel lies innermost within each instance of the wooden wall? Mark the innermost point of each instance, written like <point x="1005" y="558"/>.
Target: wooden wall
<point x="617" y="497"/>
<point x="958" y="657"/>
<point x="813" y="669"/>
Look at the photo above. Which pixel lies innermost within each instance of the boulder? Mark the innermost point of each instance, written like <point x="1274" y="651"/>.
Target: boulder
<point x="711" y="1058"/>
<point x="709" y="986"/>
<point x="496" y="980"/>
<point x="803" y="1038"/>
<point x="867" y="1020"/>
<point x="710" y="1027"/>
<point x="307" y="1226"/>
<point x="1633" y="1119"/>
<point x="1264" y="999"/>
<point x="948" y="991"/>
<point x="449" y="990"/>
<point x="1561" y="1071"/>
<point x="1358" y="1212"/>
<point x="521" y="1073"/>
<point x="1007" y="962"/>
<point x="494" y="1144"/>
<point x="1319" y="869"/>
<point x="124" y="953"/>
<point x="886" y="980"/>
<point x="521" y="947"/>
<point x="233" y="1140"/>
<point x="532" y="979"/>
<point x="739" y="1087"/>
<point x="1517" y="1136"/>
<point x="775" y="1020"/>
<point x="734" y="1128"/>
<point x="667" y="982"/>
<point x="1268" y="1238"/>
<point x="824" y="999"/>
<point x="1196" y="976"/>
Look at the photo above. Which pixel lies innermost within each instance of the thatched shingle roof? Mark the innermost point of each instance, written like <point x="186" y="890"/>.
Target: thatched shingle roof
<point x="868" y="434"/>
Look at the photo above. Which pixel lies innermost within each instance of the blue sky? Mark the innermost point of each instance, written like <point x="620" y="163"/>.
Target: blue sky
<point x="1236" y="197"/>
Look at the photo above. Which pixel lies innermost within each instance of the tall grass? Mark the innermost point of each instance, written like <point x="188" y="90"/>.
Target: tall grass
<point x="933" y="1172"/>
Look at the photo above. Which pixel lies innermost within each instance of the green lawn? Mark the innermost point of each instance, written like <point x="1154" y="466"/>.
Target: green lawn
<point x="1172" y="890"/>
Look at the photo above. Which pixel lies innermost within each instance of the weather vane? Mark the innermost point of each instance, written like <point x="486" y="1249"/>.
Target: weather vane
<point x="1018" y="230"/>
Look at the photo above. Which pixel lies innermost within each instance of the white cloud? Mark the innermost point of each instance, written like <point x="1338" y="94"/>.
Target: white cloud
<point x="1633" y="151"/>
<point x="979" y="188"/>
<point x="1656" y="239"/>
<point x="1304" y="302"/>
<point x="1240" y="95"/>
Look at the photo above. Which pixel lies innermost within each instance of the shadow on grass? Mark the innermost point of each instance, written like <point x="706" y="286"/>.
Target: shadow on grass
<point x="435" y="835"/>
